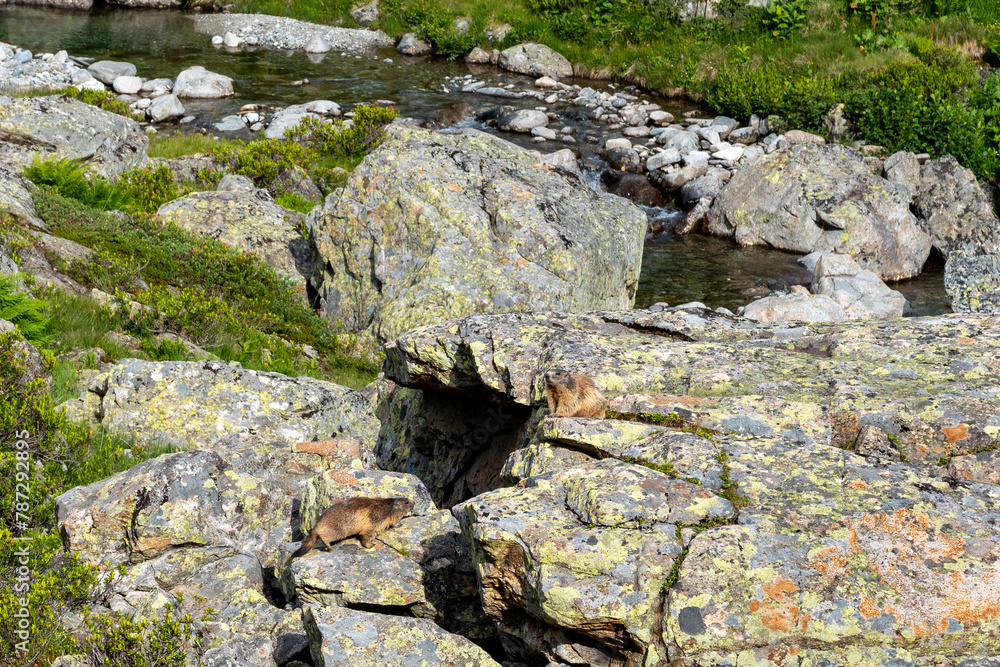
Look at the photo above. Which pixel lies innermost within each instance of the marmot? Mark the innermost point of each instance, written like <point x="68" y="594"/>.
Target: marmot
<point x="364" y="517"/>
<point x="573" y="395"/>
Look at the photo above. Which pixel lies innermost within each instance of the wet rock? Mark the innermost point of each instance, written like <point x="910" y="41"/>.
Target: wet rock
<point x="973" y="282"/>
<point x="106" y="71"/>
<point x="822" y="198"/>
<point x="411" y="45"/>
<point x="65" y="127"/>
<point x="524" y="120"/>
<point x="365" y="15"/>
<point x="663" y="159"/>
<point x="623" y="159"/>
<point x="198" y="83"/>
<point x="341" y="637"/>
<point x="954" y="210"/>
<point x="456" y="193"/>
<point x="535" y="60"/>
<point x="232" y="41"/>
<point x="478" y="56"/>
<point x="193" y="404"/>
<point x="669" y="182"/>
<point x="249" y="221"/>
<point x="634" y="187"/>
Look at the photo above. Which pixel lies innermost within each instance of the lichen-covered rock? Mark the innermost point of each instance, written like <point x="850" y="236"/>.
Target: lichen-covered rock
<point x="973" y="282"/>
<point x="954" y="210"/>
<point x="535" y="60"/>
<point x="248" y="221"/>
<point x="27" y="355"/>
<point x="432" y="226"/>
<point x="340" y="637"/>
<point x="194" y="404"/>
<point x="68" y="128"/>
<point x="556" y="581"/>
<point x="16" y="201"/>
<point x="810" y="198"/>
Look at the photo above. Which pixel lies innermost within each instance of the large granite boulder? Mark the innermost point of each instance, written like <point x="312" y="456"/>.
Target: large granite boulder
<point x="68" y="128"/>
<point x="193" y="403"/>
<point x="246" y="218"/>
<point x="954" y="210"/>
<point x="535" y="60"/>
<point x="435" y="225"/>
<point x="847" y="540"/>
<point x="198" y="83"/>
<point x="810" y="198"/>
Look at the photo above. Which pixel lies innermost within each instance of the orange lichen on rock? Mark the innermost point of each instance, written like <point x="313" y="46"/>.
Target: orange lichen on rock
<point x="956" y="433"/>
<point x="829" y="560"/>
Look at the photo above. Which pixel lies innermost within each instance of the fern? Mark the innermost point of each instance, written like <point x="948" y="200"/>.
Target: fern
<point x="69" y="179"/>
<point x="19" y="308"/>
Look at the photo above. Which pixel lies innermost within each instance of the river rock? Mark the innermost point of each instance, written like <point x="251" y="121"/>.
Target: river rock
<point x="249" y="221"/>
<point x="954" y="210"/>
<point x="106" y="71"/>
<point x="127" y="85"/>
<point x="365" y="15"/>
<point x="623" y="158"/>
<point x="411" y="45"/>
<point x="973" y="282"/>
<point x="192" y="404"/>
<point x="466" y="222"/>
<point x="340" y="637"/>
<point x="795" y="308"/>
<point x="796" y="137"/>
<point x="859" y="292"/>
<point x="535" y="60"/>
<point x="165" y="108"/>
<point x="524" y="120"/>
<point x="231" y="123"/>
<point x="317" y="44"/>
<point x="682" y="141"/>
<point x="288" y="118"/>
<point x="811" y="198"/>
<point x="564" y="159"/>
<point x="634" y="187"/>
<point x="66" y="127"/>
<point x="198" y="83"/>
<point x="669" y="182"/>
<point x="478" y="56"/>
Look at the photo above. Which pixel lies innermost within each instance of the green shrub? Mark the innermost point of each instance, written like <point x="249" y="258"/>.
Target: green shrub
<point x="117" y="640"/>
<point x="70" y="179"/>
<point x="18" y="307"/>
<point x="365" y="132"/>
<point x="147" y="188"/>
<point x="262" y="161"/>
<point x="785" y="17"/>
<point x="55" y="585"/>
<point x="102" y="99"/>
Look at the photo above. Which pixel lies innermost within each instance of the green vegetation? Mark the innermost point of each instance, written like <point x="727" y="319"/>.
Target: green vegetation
<point x="117" y="640"/>
<point x="19" y="308"/>
<point x="671" y="420"/>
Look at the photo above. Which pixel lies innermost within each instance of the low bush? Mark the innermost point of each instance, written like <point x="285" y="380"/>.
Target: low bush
<point x="26" y="313"/>
<point x="262" y="161"/>
<point x="148" y="188"/>
<point x="70" y="179"/>
<point x="117" y="640"/>
<point x="102" y="99"/>
<point x="340" y="139"/>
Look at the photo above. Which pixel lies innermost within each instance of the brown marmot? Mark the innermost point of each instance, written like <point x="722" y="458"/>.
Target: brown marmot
<point x="573" y="395"/>
<point x="364" y="517"/>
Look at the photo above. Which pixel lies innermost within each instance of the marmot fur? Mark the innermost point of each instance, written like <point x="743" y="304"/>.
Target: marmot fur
<point x="573" y="395"/>
<point x="364" y="517"/>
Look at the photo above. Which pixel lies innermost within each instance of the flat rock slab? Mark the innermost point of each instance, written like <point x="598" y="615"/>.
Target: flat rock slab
<point x="193" y="404"/>
<point x="65" y="127"/>
<point x="347" y="638"/>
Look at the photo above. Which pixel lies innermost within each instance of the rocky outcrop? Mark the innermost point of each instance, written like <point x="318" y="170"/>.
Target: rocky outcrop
<point x="973" y="282"/>
<point x="193" y="404"/>
<point x="246" y="218"/>
<point x="810" y="198"/>
<point x="803" y="503"/>
<point x="954" y="210"/>
<point x="68" y="128"/>
<point x="535" y="60"/>
<point x="204" y="531"/>
<point x="432" y="226"/>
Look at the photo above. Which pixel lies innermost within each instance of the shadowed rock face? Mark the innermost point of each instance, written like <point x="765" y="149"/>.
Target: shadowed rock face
<point x="433" y="226"/>
<point x="66" y="127"/>
<point x="846" y="537"/>
<point x="811" y="198"/>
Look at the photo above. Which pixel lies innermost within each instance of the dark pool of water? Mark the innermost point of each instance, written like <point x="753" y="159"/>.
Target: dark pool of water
<point x="161" y="43"/>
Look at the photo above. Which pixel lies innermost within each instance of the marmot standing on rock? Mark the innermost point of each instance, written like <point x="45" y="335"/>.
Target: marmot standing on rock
<point x="364" y="517"/>
<point x="573" y="395"/>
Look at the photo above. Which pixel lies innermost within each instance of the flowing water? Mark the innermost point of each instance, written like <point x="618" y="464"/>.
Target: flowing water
<point x="161" y="43"/>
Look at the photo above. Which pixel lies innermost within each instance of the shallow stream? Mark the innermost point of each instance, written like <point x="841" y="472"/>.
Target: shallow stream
<point x="161" y="43"/>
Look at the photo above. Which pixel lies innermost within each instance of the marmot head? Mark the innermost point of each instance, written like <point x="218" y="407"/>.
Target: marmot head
<point x="401" y="505"/>
<point x="558" y="377"/>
